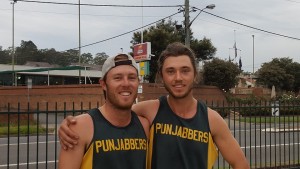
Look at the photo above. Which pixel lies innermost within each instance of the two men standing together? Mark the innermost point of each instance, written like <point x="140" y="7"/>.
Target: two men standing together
<point x="182" y="132"/>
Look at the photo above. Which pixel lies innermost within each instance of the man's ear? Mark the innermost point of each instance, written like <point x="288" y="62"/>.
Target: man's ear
<point x="103" y="85"/>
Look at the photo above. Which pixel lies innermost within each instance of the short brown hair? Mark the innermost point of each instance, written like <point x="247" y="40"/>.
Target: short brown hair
<point x="176" y="49"/>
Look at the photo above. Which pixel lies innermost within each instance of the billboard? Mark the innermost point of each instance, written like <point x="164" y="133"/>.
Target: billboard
<point x="142" y="51"/>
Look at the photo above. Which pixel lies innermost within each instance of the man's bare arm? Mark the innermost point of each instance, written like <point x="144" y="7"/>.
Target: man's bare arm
<point x="226" y="143"/>
<point x="72" y="159"/>
<point x="69" y="138"/>
<point x="146" y="109"/>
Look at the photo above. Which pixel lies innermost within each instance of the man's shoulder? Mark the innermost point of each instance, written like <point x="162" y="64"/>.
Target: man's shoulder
<point x="82" y="120"/>
<point x="215" y="120"/>
<point x="147" y="104"/>
<point x="212" y="113"/>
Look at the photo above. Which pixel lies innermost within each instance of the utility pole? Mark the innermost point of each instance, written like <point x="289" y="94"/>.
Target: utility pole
<point x="142" y="33"/>
<point x="187" y="23"/>
<point x="79" y="41"/>
<point x="253" y="64"/>
<point x="253" y="54"/>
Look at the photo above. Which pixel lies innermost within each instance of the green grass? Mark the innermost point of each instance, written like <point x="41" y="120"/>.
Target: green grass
<point x="283" y="119"/>
<point x="23" y="130"/>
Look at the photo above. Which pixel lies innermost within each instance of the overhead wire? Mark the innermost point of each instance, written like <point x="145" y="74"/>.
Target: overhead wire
<point x="262" y="30"/>
<point x="83" y="4"/>
<point x="277" y="34"/>
<point x="179" y="11"/>
<point x="293" y="1"/>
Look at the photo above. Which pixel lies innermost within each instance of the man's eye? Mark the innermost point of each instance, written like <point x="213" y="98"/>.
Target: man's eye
<point x="117" y="78"/>
<point x="132" y="77"/>
<point x="185" y="70"/>
<point x="170" y="71"/>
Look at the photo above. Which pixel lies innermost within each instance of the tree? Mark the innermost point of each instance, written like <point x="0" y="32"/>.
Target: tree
<point x="283" y="73"/>
<point x="87" y="58"/>
<point x="5" y="57"/>
<point x="220" y="73"/>
<point x="50" y="56"/>
<point x="296" y="73"/>
<point x="26" y="52"/>
<point x="100" y="58"/>
<point x="71" y="56"/>
<point x="203" y="49"/>
<point x="164" y="33"/>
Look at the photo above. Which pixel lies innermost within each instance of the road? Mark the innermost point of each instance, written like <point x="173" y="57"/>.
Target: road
<point x="262" y="145"/>
<point x="31" y="152"/>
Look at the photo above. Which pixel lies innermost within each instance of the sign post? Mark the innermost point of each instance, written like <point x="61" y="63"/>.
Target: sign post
<point x="142" y="55"/>
<point x="275" y="108"/>
<point x="29" y="86"/>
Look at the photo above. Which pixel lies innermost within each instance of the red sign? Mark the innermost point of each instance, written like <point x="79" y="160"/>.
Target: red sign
<point x="142" y="51"/>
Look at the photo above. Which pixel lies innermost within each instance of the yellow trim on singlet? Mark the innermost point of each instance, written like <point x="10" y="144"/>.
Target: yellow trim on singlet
<point x="150" y="148"/>
<point x="212" y="153"/>
<point x="87" y="161"/>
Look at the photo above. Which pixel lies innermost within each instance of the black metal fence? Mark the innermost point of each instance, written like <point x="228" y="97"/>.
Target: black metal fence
<point x="268" y="134"/>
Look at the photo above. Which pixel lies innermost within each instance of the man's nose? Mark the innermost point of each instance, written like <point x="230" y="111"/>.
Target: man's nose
<point x="178" y="75"/>
<point x="125" y="81"/>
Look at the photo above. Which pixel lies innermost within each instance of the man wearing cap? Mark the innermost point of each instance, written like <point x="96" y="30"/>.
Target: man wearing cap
<point x="112" y="136"/>
<point x="184" y="132"/>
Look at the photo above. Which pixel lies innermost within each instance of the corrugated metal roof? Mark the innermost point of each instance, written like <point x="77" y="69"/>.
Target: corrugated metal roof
<point x="62" y="71"/>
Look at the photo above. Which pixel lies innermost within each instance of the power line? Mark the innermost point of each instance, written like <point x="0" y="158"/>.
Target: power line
<point x="179" y="11"/>
<point x="277" y="34"/>
<point x="64" y="13"/>
<point x="63" y="3"/>
<point x="131" y="6"/>
<point x="293" y="1"/>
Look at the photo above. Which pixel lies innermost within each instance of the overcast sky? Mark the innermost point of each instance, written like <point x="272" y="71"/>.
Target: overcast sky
<point x="56" y="26"/>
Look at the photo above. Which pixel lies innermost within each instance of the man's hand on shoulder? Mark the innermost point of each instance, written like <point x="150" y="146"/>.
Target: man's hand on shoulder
<point x="67" y="137"/>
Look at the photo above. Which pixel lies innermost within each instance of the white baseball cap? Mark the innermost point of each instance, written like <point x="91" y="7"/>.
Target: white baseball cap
<point x="111" y="63"/>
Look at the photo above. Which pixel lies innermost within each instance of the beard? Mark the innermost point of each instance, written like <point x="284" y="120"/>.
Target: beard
<point x="117" y="102"/>
<point x="178" y="95"/>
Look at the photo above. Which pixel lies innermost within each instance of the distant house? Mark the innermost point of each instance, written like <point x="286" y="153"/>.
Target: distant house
<point x="247" y="85"/>
<point x="247" y="81"/>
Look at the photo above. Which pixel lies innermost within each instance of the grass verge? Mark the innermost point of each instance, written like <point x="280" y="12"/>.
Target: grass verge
<point x="23" y="130"/>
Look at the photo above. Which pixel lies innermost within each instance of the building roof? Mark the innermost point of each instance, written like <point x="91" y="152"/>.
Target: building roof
<point x="39" y="64"/>
<point x="72" y="71"/>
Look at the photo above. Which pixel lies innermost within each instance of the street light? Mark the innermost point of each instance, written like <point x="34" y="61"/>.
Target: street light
<point x="188" y="24"/>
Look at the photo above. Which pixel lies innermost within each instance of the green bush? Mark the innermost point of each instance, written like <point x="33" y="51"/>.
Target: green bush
<point x="260" y="106"/>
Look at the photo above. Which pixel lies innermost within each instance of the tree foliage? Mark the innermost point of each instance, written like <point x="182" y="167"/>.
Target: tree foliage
<point x="220" y="73"/>
<point x="28" y="51"/>
<point x="203" y="49"/>
<point x="5" y="57"/>
<point x="283" y="73"/>
<point x="164" y="33"/>
<point x="100" y="58"/>
<point x="87" y="58"/>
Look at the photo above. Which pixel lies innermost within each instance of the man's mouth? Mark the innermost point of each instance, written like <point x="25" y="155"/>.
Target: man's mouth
<point x="125" y="93"/>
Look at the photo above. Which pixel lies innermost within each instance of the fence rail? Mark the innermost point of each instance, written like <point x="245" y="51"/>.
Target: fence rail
<point x="268" y="133"/>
